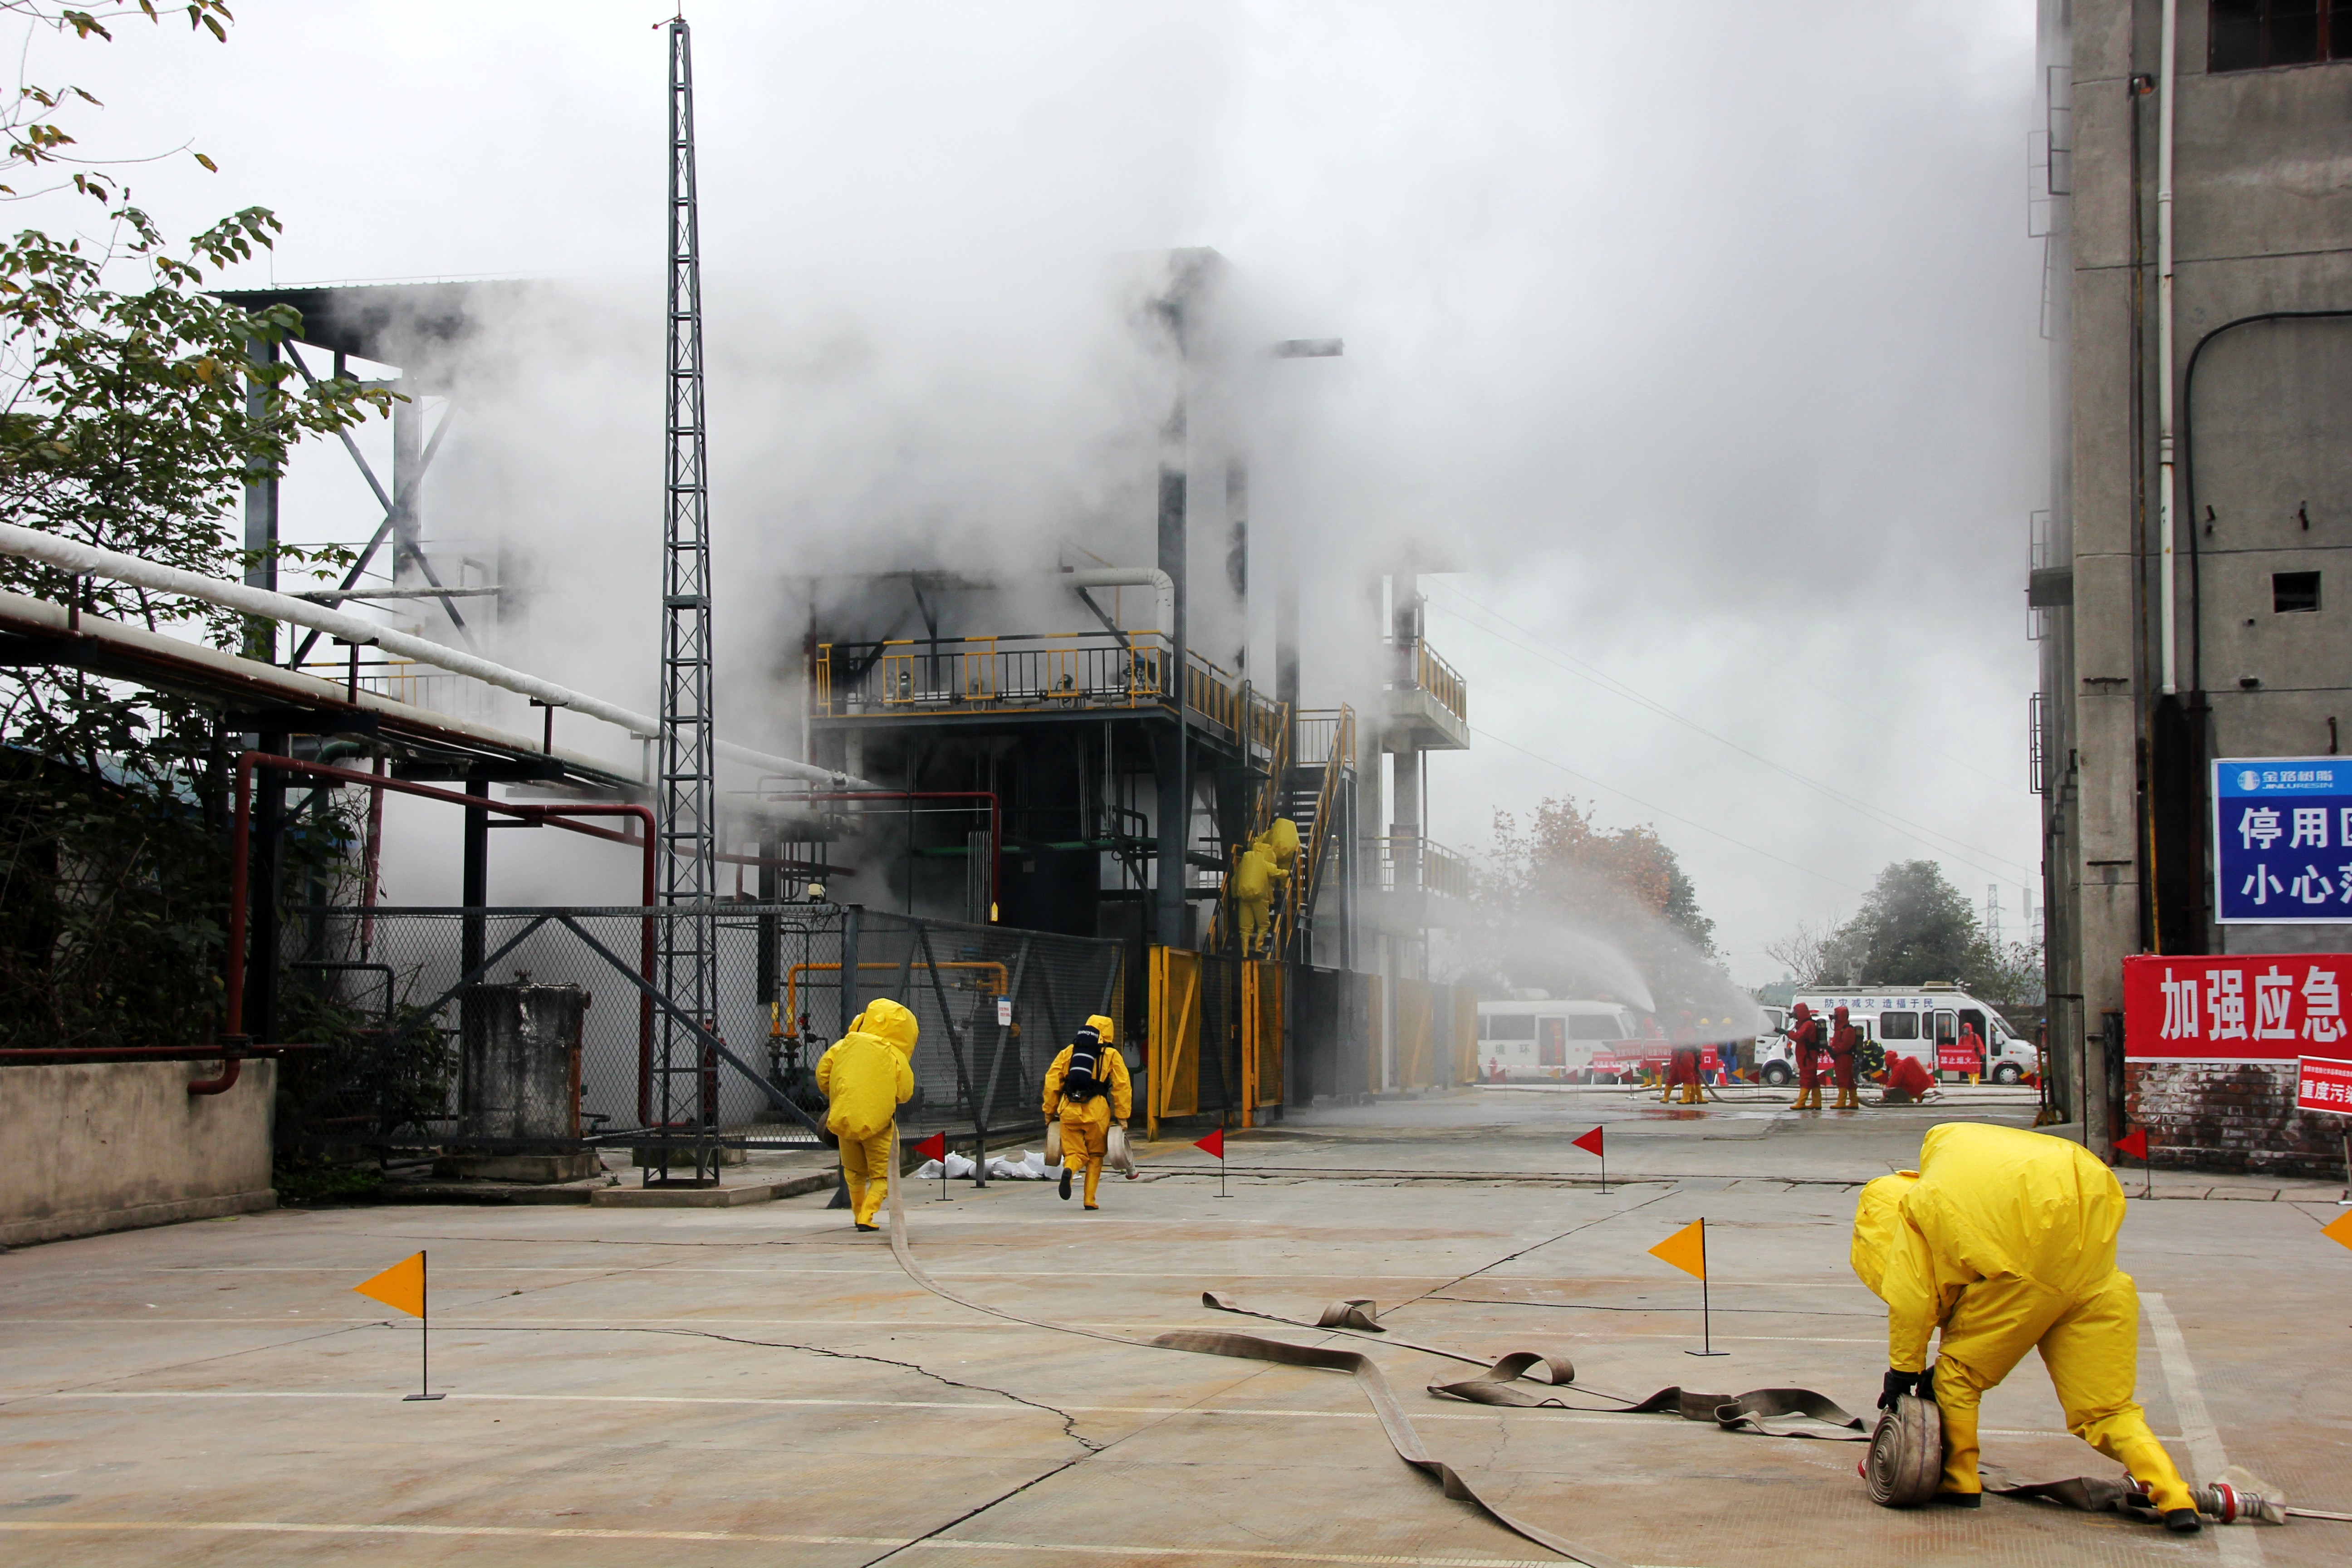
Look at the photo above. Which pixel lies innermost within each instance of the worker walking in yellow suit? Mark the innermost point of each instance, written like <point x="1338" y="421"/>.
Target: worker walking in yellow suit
<point x="1088" y="1088"/>
<point x="2005" y="1240"/>
<point x="865" y="1076"/>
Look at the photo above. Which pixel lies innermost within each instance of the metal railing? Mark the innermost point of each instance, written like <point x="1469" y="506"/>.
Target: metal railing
<point x="1334" y="746"/>
<point x="1440" y="680"/>
<point x="1033" y="672"/>
<point x="1407" y="864"/>
<point x="1327" y="735"/>
<point x="407" y="680"/>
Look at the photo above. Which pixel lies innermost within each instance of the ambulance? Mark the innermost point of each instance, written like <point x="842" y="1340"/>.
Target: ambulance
<point x="1921" y="1021"/>
<point x="1552" y="1042"/>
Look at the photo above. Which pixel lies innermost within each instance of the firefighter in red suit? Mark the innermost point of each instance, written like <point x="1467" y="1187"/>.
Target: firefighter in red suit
<point x="1906" y="1082"/>
<point x="1844" y="1038"/>
<point x="1805" y="1042"/>
<point x="1681" y="1072"/>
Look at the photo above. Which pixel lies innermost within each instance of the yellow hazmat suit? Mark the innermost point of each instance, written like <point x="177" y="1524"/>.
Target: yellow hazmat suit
<point x="1282" y="840"/>
<point x="2006" y="1240"/>
<point x="1086" y="1124"/>
<point x="1251" y="887"/>
<point x="864" y="1078"/>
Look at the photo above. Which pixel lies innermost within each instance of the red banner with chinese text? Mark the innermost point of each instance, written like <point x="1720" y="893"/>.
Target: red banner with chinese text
<point x="2264" y="1006"/>
<point x="2322" y="1084"/>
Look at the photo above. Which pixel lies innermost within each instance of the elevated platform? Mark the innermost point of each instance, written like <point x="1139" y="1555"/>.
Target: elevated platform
<point x="1036" y="678"/>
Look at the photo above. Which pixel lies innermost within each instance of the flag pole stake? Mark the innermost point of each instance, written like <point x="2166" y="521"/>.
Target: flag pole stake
<point x="1705" y="1308"/>
<point x="424" y="1334"/>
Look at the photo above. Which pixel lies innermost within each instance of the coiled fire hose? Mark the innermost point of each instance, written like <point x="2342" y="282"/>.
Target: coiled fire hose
<point x="1766" y="1411"/>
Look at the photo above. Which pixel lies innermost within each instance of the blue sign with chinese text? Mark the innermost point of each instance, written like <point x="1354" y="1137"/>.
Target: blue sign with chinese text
<point x="2282" y="840"/>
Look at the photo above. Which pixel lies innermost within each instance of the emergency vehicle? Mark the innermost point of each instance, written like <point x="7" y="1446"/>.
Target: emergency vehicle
<point x="1553" y="1041"/>
<point x="1920" y="1021"/>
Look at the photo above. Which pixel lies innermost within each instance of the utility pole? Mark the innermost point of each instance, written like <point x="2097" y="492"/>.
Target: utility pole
<point x="684" y="789"/>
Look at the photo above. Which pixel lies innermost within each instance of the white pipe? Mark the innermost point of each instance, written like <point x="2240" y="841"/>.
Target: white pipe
<point x="1163" y="588"/>
<point x="2164" y="369"/>
<point x="90" y="560"/>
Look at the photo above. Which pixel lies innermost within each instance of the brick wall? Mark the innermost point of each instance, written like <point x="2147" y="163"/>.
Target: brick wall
<point x="2231" y="1116"/>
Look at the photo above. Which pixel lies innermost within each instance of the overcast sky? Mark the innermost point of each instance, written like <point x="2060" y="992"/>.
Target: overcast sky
<point x="1698" y="341"/>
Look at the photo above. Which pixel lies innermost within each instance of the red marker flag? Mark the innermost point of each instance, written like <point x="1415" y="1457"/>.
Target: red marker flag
<point x="1215" y="1143"/>
<point x="2133" y="1144"/>
<point x="1590" y="1141"/>
<point x="935" y="1147"/>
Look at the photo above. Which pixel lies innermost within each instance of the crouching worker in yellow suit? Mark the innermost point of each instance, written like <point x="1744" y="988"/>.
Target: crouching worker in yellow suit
<point x="865" y="1076"/>
<point x="2005" y="1240"/>
<point x="1087" y="1088"/>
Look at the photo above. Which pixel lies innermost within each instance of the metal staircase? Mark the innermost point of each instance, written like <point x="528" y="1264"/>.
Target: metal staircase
<point x="1308" y="793"/>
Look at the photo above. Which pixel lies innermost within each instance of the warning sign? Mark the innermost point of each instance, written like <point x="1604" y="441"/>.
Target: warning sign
<point x="2323" y="1083"/>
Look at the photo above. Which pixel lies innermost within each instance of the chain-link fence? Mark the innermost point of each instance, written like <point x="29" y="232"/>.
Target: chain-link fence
<point x="510" y="1030"/>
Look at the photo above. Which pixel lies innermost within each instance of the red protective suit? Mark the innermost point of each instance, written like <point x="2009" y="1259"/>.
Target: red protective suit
<point x="1805" y="1041"/>
<point x="1842" y="1040"/>
<point x="1805" y="1045"/>
<point x="1905" y="1076"/>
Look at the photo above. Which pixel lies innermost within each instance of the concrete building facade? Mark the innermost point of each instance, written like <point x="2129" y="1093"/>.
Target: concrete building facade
<point x="2188" y="583"/>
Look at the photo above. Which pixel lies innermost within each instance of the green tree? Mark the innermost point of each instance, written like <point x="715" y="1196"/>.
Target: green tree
<point x="1912" y="927"/>
<point x="131" y="418"/>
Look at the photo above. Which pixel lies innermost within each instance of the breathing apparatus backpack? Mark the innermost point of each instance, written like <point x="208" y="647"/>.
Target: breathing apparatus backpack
<point x="1087" y="1078"/>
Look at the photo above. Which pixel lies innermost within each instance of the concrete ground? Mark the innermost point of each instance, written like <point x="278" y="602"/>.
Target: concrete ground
<point x="761" y="1383"/>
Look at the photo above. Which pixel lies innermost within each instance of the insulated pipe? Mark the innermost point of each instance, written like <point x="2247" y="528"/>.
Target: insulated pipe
<point x="1162" y="587"/>
<point x="2170" y="633"/>
<point x="90" y="560"/>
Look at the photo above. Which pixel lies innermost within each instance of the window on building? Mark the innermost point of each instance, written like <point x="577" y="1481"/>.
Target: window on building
<point x="2248" y="35"/>
<point x="2294" y="591"/>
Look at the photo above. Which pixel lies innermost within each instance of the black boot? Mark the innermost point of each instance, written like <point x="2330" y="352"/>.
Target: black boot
<point x="1065" y="1182"/>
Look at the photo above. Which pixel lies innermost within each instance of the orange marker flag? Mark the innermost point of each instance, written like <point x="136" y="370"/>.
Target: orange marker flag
<point x="2338" y="1229"/>
<point x="400" y="1287"/>
<point x="1685" y="1249"/>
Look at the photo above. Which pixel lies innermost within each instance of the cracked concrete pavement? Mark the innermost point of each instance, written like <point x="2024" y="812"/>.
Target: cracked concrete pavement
<point x="764" y="1384"/>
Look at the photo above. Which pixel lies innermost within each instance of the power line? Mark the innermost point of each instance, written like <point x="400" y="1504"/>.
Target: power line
<point x="1919" y="831"/>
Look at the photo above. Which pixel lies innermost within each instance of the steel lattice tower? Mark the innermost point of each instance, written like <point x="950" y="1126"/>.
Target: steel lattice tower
<point x="685" y="791"/>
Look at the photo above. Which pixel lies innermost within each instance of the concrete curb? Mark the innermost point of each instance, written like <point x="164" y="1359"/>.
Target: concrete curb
<point x="138" y="1216"/>
<point x="711" y="1197"/>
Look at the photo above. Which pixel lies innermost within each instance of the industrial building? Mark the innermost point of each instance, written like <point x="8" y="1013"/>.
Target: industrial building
<point x="1031" y="787"/>
<point x="2186" y="582"/>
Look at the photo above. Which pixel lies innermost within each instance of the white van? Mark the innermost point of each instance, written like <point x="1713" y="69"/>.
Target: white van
<point x="1546" y="1041"/>
<point x="1921" y="1021"/>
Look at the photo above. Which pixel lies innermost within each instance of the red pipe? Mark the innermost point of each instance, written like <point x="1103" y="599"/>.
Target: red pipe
<point x="67" y="1054"/>
<point x="240" y="853"/>
<point x="374" y="854"/>
<point x="230" y="1067"/>
<point x="995" y="822"/>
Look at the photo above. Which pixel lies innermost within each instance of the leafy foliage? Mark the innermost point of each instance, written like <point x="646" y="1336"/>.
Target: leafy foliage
<point x="36" y="143"/>
<point x="130" y="418"/>
<point x="1914" y="926"/>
